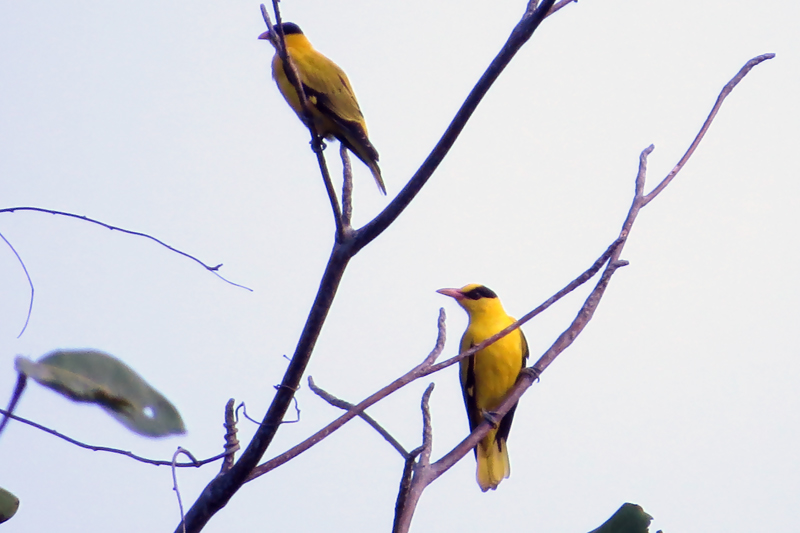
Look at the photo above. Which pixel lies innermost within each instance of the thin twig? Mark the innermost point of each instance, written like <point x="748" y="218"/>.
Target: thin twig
<point x="342" y="404"/>
<point x="30" y="284"/>
<point x="405" y="486"/>
<point x="213" y="269"/>
<point x="559" y="5"/>
<point x="427" y="429"/>
<point x="347" y="189"/>
<point x="156" y="462"/>
<point x="721" y="98"/>
<point x="421" y="478"/>
<point x="175" y="481"/>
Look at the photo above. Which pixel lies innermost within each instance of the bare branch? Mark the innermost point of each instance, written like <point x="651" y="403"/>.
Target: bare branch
<point x="721" y="98"/>
<point x="213" y="269"/>
<point x="175" y="480"/>
<point x="559" y="5"/>
<point x="404" y="510"/>
<point x="341" y="404"/>
<point x="427" y="430"/>
<point x="347" y="190"/>
<point x="132" y="455"/>
<point x="30" y="284"/>
<point x="405" y="487"/>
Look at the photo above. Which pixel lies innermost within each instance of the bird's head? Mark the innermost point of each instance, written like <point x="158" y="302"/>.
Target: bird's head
<point x="474" y="298"/>
<point x="289" y="28"/>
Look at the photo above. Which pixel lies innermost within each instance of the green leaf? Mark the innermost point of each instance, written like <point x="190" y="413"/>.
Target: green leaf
<point x="630" y="518"/>
<point x="8" y="505"/>
<point x="96" y="377"/>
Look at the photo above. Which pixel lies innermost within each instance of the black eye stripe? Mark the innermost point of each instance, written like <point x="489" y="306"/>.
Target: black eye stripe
<point x="289" y="28"/>
<point x="480" y="292"/>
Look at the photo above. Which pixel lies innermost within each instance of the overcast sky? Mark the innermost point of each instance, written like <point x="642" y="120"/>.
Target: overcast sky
<point x="680" y="396"/>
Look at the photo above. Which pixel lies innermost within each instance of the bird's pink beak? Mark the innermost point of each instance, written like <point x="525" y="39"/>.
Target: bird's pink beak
<point x="452" y="293"/>
<point x="264" y="36"/>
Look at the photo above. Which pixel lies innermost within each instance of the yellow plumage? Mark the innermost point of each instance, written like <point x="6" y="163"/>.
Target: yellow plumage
<point x="488" y="375"/>
<point x="331" y="99"/>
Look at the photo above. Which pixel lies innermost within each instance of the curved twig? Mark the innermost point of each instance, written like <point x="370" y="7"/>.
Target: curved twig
<point x="721" y="98"/>
<point x="30" y="284"/>
<point x="175" y="480"/>
<point x="213" y="269"/>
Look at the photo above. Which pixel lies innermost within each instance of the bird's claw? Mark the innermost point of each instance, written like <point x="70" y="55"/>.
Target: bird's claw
<point x="492" y="418"/>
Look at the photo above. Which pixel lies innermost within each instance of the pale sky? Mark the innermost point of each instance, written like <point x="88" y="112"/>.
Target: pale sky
<point x="681" y="395"/>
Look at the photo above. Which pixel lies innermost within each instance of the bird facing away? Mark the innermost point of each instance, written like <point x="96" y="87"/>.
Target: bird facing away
<point x="332" y="102"/>
<point x="488" y="375"/>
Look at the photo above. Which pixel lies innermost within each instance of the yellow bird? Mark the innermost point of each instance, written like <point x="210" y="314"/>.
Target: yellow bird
<point x="331" y="99"/>
<point x="488" y="375"/>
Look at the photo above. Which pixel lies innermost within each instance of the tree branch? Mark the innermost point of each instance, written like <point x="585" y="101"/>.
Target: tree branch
<point x="213" y="269"/>
<point x="341" y="404"/>
<point x="347" y="190"/>
<point x="721" y="98"/>
<point x="421" y="472"/>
